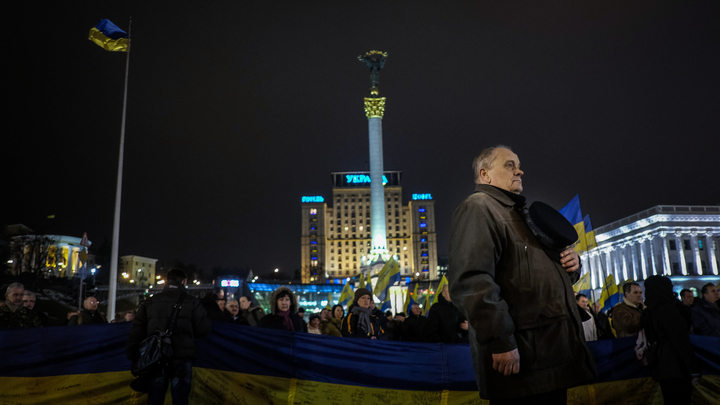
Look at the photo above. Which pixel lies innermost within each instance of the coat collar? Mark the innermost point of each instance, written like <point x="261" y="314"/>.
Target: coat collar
<point x="499" y="195"/>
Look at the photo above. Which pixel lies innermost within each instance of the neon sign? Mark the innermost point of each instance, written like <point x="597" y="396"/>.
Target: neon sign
<point x="230" y="283"/>
<point x="361" y="178"/>
<point x="312" y="199"/>
<point x="426" y="196"/>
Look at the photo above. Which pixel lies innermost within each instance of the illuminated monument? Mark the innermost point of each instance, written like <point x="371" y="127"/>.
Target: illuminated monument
<point x="374" y="109"/>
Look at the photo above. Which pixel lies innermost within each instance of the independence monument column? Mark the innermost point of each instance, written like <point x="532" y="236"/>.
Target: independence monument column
<point x="374" y="109"/>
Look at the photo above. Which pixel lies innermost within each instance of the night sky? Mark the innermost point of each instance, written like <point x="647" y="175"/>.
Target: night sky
<point x="237" y="109"/>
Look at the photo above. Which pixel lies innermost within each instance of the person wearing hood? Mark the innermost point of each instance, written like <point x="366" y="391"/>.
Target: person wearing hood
<point x="445" y="322"/>
<point x="676" y="367"/>
<point x="283" y="314"/>
<point x="360" y="321"/>
<point x="414" y="325"/>
<point x="332" y="326"/>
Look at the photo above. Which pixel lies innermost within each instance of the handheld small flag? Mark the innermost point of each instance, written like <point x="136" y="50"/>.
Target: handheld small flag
<point x="573" y="214"/>
<point x="109" y="37"/>
<point x="368" y="284"/>
<point x="412" y="297"/>
<point x="329" y="304"/>
<point x="361" y="283"/>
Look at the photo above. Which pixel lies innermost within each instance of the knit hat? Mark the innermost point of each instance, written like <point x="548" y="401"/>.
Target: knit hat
<point x="359" y="293"/>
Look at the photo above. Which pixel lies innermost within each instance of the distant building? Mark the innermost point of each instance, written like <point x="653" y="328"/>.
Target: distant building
<point x="137" y="271"/>
<point x="50" y="255"/>
<point x="674" y="240"/>
<point x="336" y="240"/>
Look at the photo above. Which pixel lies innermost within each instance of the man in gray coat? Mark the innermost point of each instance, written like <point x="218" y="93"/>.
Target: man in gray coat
<point x="526" y="336"/>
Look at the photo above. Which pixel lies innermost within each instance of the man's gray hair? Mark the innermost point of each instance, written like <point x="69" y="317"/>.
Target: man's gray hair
<point x="13" y="286"/>
<point x="29" y="293"/>
<point x="485" y="160"/>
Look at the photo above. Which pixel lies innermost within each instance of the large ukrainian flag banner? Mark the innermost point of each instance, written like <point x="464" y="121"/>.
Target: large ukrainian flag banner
<point x="109" y="36"/>
<point x="244" y="365"/>
<point x="573" y="214"/>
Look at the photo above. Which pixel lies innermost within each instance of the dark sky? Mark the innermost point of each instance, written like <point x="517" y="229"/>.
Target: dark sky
<point x="237" y="109"/>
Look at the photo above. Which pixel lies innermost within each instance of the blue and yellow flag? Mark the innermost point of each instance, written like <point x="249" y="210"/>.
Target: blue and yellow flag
<point x="589" y="233"/>
<point x="361" y="282"/>
<point x="583" y="287"/>
<point x="347" y="295"/>
<point x="609" y="291"/>
<point x="368" y="284"/>
<point x="412" y="299"/>
<point x="443" y="283"/>
<point x="573" y="214"/>
<point x="329" y="304"/>
<point x="109" y="37"/>
<point x="389" y="275"/>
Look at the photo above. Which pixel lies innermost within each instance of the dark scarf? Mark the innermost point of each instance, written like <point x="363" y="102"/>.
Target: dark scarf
<point x="287" y="322"/>
<point x="363" y="314"/>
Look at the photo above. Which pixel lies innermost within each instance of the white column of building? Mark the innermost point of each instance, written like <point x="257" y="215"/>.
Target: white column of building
<point x="623" y="251"/>
<point x="633" y="256"/>
<point x="608" y="262"/>
<point x="680" y="247"/>
<point x="643" y="257"/>
<point x="711" y="246"/>
<point x="667" y="266"/>
<point x="653" y="259"/>
<point x="617" y="262"/>
<point x="696" y="252"/>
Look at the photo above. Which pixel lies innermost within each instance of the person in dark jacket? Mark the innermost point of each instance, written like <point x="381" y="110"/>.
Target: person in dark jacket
<point x="511" y="275"/>
<point x="705" y="315"/>
<point x="251" y="313"/>
<point x="89" y="314"/>
<point x="413" y="327"/>
<point x="232" y="311"/>
<point x="192" y="322"/>
<point x="394" y="327"/>
<point x="283" y="316"/>
<point x="445" y="322"/>
<point x="360" y="322"/>
<point x="13" y="314"/>
<point x="212" y="308"/>
<point x="676" y="366"/>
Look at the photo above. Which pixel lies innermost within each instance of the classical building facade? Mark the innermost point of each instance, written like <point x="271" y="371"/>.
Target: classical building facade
<point x="336" y="237"/>
<point x="674" y="240"/>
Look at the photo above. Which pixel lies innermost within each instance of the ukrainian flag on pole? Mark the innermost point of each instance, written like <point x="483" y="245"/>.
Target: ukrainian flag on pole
<point x="412" y="296"/>
<point x="574" y="215"/>
<point x="368" y="284"/>
<point x="347" y="295"/>
<point x="329" y="304"/>
<point x="583" y="286"/>
<point x="443" y="283"/>
<point x="589" y="233"/>
<point x="109" y="36"/>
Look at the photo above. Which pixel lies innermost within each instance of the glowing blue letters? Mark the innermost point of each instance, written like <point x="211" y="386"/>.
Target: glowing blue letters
<point x="312" y="199"/>
<point x="361" y="178"/>
<point x="427" y="196"/>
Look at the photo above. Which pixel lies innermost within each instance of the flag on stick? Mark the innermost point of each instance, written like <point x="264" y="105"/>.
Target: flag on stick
<point x="109" y="36"/>
<point x="589" y="233"/>
<point x="347" y="295"/>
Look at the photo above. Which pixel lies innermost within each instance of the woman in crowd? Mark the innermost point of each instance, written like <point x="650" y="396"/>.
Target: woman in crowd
<point x="332" y="327"/>
<point x="360" y="322"/>
<point x="284" y="316"/>
<point x="314" y="324"/>
<point x="672" y="361"/>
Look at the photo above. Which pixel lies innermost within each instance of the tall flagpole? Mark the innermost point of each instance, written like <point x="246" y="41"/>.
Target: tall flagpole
<point x="118" y="193"/>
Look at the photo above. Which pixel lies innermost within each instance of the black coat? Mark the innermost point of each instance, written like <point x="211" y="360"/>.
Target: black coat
<point x="87" y="317"/>
<point x="349" y="327"/>
<point x="414" y="328"/>
<point x="670" y="331"/>
<point x="273" y="321"/>
<point x="443" y="325"/>
<point x="154" y="315"/>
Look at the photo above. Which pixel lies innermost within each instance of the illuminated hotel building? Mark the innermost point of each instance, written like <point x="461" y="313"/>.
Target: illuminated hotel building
<point x="336" y="235"/>
<point x="679" y="241"/>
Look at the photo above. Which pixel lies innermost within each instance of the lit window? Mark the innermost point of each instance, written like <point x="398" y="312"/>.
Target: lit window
<point x="313" y="211"/>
